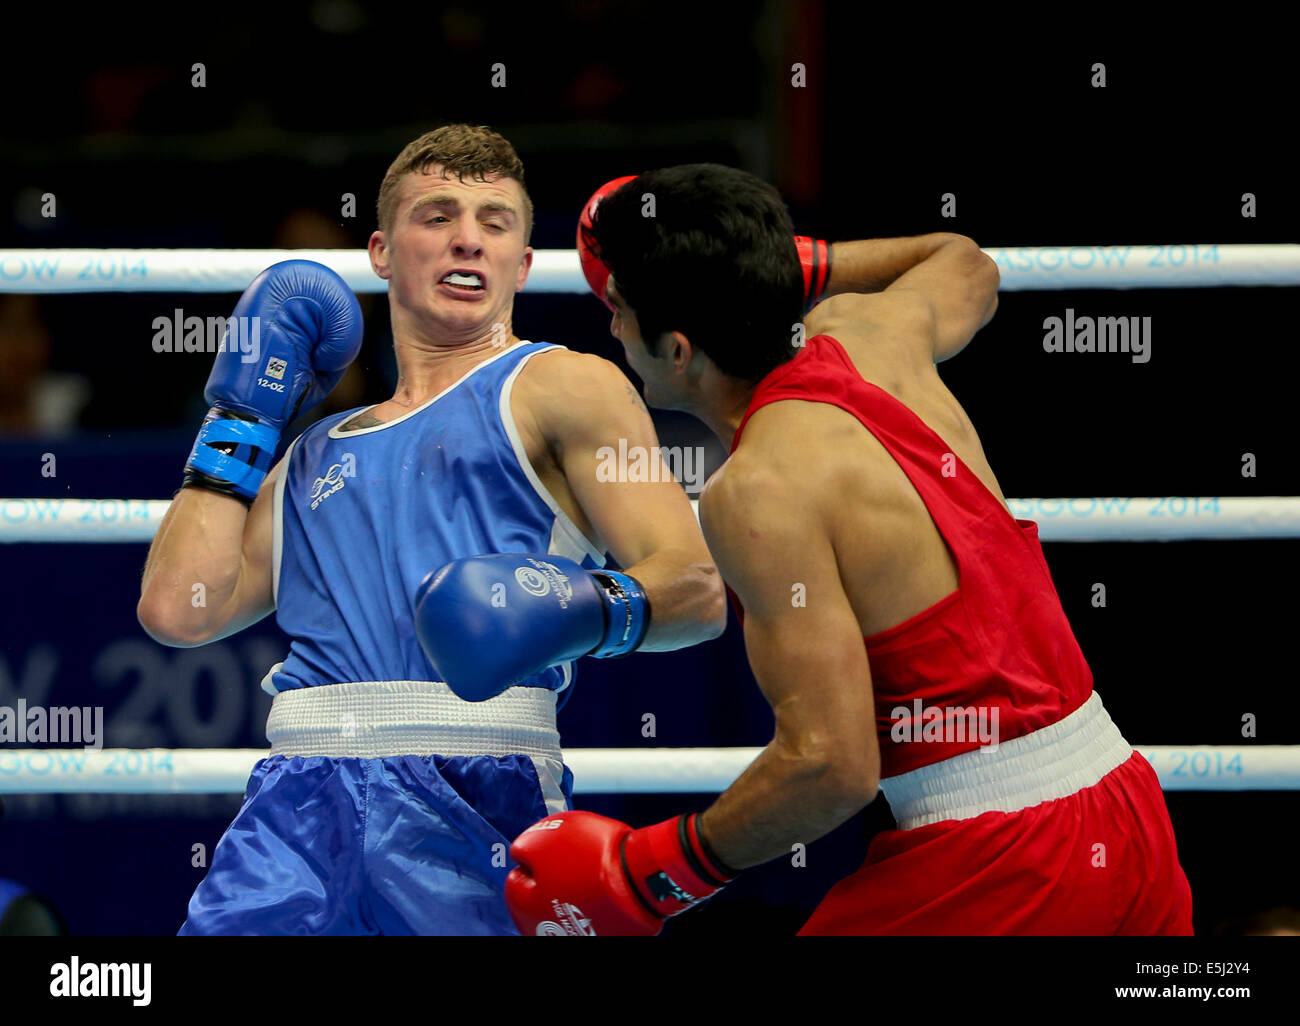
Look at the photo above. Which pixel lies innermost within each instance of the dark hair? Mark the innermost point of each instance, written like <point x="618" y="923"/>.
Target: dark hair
<point x="713" y="258"/>
<point x="473" y="150"/>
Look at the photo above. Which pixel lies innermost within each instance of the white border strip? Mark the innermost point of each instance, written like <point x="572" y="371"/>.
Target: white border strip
<point x="595" y="770"/>
<point x="1192" y="265"/>
<point x="1167" y="518"/>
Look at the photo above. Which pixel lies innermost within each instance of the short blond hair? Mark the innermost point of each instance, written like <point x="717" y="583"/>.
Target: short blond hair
<point x="463" y="150"/>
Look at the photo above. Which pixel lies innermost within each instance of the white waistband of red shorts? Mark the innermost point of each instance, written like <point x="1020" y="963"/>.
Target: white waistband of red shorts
<point x="379" y="719"/>
<point x="1053" y="762"/>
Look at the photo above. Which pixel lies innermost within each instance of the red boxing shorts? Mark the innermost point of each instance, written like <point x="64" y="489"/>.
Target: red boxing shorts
<point x="1062" y="831"/>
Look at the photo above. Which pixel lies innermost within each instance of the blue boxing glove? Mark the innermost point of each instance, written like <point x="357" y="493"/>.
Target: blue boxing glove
<point x="303" y="327"/>
<point x="488" y="622"/>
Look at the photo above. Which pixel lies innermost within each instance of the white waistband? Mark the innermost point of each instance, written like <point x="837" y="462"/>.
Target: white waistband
<point x="1052" y="762"/>
<point x="378" y="719"/>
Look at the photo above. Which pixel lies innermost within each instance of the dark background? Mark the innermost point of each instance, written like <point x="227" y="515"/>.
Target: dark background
<point x="307" y="102"/>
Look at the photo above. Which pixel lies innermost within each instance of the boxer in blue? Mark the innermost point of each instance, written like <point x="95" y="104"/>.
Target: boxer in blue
<point x="388" y="802"/>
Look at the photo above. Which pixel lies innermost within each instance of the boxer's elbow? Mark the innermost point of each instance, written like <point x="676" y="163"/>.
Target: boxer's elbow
<point x="856" y="782"/>
<point x="712" y="618"/>
<point x="159" y="620"/>
<point x="983" y="281"/>
<point x="847" y="771"/>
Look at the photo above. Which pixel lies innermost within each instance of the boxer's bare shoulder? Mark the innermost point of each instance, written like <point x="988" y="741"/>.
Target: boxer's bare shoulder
<point x="884" y="333"/>
<point x="741" y="504"/>
<point x="823" y="448"/>
<point x="566" y="382"/>
<point x="787" y="456"/>
<point x="561" y="394"/>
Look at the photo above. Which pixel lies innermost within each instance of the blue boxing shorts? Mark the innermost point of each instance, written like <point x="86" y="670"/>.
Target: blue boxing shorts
<point x="352" y="826"/>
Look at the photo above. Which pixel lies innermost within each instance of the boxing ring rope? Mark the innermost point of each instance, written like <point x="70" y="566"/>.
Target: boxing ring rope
<point x="1112" y="519"/>
<point x="558" y="270"/>
<point x="662" y="770"/>
<point x="595" y="770"/>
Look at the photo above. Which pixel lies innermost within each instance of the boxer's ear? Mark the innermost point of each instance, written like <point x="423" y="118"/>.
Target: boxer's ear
<point x="677" y="349"/>
<point x="377" y="247"/>
<point x="525" y="265"/>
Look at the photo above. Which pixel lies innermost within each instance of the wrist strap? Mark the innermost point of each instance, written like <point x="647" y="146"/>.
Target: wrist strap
<point x="669" y="868"/>
<point x="232" y="454"/>
<point x="627" y="614"/>
<point x="815" y="259"/>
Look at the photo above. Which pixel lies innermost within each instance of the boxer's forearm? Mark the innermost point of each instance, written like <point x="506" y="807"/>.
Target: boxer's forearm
<point x="871" y="265"/>
<point x="688" y="604"/>
<point x="193" y="567"/>
<point x="781" y="800"/>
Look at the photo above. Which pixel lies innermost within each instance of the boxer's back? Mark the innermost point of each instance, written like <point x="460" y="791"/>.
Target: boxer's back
<point x="885" y="536"/>
<point x="952" y="594"/>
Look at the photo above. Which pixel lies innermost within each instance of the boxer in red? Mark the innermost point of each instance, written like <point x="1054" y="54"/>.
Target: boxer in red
<point x="902" y="624"/>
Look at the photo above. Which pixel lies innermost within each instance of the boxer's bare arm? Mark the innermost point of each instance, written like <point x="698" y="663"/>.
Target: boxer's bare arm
<point x="946" y="275"/>
<point x="582" y="404"/>
<point x="872" y="265"/>
<point x="210" y="540"/>
<point x="807" y="654"/>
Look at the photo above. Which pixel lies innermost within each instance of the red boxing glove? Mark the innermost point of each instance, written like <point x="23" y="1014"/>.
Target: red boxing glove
<point x="593" y="267"/>
<point x="584" y="875"/>
<point x="815" y="258"/>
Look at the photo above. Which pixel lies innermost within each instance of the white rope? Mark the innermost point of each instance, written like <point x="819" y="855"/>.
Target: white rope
<point x="221" y="270"/>
<point x="1161" y="518"/>
<point x="595" y="770"/>
<point x="1171" y="518"/>
<point x="557" y="270"/>
<point x="81" y="520"/>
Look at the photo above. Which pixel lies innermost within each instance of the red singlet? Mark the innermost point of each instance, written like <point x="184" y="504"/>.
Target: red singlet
<point x="1099" y="860"/>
